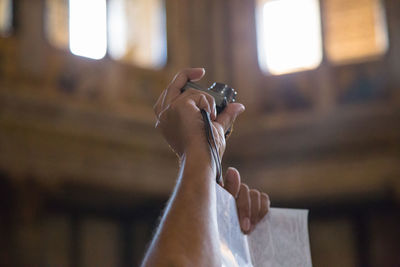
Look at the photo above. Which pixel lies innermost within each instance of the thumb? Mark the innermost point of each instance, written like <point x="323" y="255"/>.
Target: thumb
<point x="229" y="114"/>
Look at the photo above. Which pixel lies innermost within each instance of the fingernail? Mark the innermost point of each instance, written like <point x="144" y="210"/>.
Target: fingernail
<point x="231" y="168"/>
<point x="198" y="79"/>
<point x="202" y="69"/>
<point x="242" y="108"/>
<point x="246" y="224"/>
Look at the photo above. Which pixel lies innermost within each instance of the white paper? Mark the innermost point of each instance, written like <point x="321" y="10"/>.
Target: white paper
<point x="280" y="239"/>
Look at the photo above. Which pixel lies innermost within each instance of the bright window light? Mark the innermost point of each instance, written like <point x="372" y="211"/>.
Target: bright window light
<point x="118" y="20"/>
<point x="289" y="35"/>
<point x="88" y="28"/>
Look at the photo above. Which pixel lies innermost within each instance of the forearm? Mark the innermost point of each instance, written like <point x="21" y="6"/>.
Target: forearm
<point x="187" y="235"/>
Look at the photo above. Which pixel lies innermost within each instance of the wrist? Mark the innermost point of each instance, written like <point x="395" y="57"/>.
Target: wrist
<point x="198" y="157"/>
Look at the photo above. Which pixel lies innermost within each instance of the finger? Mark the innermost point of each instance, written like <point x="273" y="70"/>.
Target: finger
<point x="210" y="99"/>
<point x="213" y="108"/>
<point x="202" y="103"/>
<point x="264" y="205"/>
<point x="243" y="206"/>
<point x="174" y="88"/>
<point x="255" y="206"/>
<point x="228" y="116"/>
<point x="232" y="181"/>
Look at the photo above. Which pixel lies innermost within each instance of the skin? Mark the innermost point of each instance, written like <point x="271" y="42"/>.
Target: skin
<point x="187" y="235"/>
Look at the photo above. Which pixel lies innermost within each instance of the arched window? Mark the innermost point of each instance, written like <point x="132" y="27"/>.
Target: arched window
<point x="130" y="31"/>
<point x="289" y="35"/>
<point x="88" y="28"/>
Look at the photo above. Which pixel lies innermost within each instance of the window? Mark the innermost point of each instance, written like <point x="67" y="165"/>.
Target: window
<point x="5" y="17"/>
<point x="355" y="30"/>
<point x="130" y="31"/>
<point x="88" y="28"/>
<point x="289" y="35"/>
<point x="137" y="32"/>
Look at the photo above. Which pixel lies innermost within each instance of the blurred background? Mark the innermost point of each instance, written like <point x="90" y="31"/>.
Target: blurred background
<point x="84" y="175"/>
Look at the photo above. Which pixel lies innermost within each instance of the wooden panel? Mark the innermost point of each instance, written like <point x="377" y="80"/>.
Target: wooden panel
<point x="337" y="251"/>
<point x="100" y="243"/>
<point x="384" y="245"/>
<point x="244" y="52"/>
<point x="327" y="180"/>
<point x="178" y="28"/>
<point x="330" y="156"/>
<point x="57" y="241"/>
<point x="58" y="144"/>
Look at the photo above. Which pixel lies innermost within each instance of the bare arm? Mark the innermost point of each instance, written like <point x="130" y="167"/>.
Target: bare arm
<point x="187" y="235"/>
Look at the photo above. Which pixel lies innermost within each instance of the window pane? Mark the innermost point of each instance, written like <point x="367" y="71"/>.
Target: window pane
<point x="137" y="32"/>
<point x="5" y="17"/>
<point x="56" y="23"/>
<point x="355" y="30"/>
<point x="289" y="35"/>
<point x="88" y="28"/>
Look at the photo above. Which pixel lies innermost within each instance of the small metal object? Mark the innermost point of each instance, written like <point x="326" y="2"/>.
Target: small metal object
<point x="222" y="93"/>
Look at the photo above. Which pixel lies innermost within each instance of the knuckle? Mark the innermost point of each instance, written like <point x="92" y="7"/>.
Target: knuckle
<point x="264" y="196"/>
<point x="177" y="106"/>
<point x="244" y="187"/>
<point x="191" y="91"/>
<point x="182" y="73"/>
<point x="174" y="105"/>
<point x="203" y="102"/>
<point x="265" y="203"/>
<point x="254" y="193"/>
<point x="212" y="100"/>
<point x="205" y="97"/>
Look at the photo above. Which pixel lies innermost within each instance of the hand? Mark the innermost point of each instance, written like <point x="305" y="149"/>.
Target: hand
<point x="179" y="118"/>
<point x="251" y="205"/>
